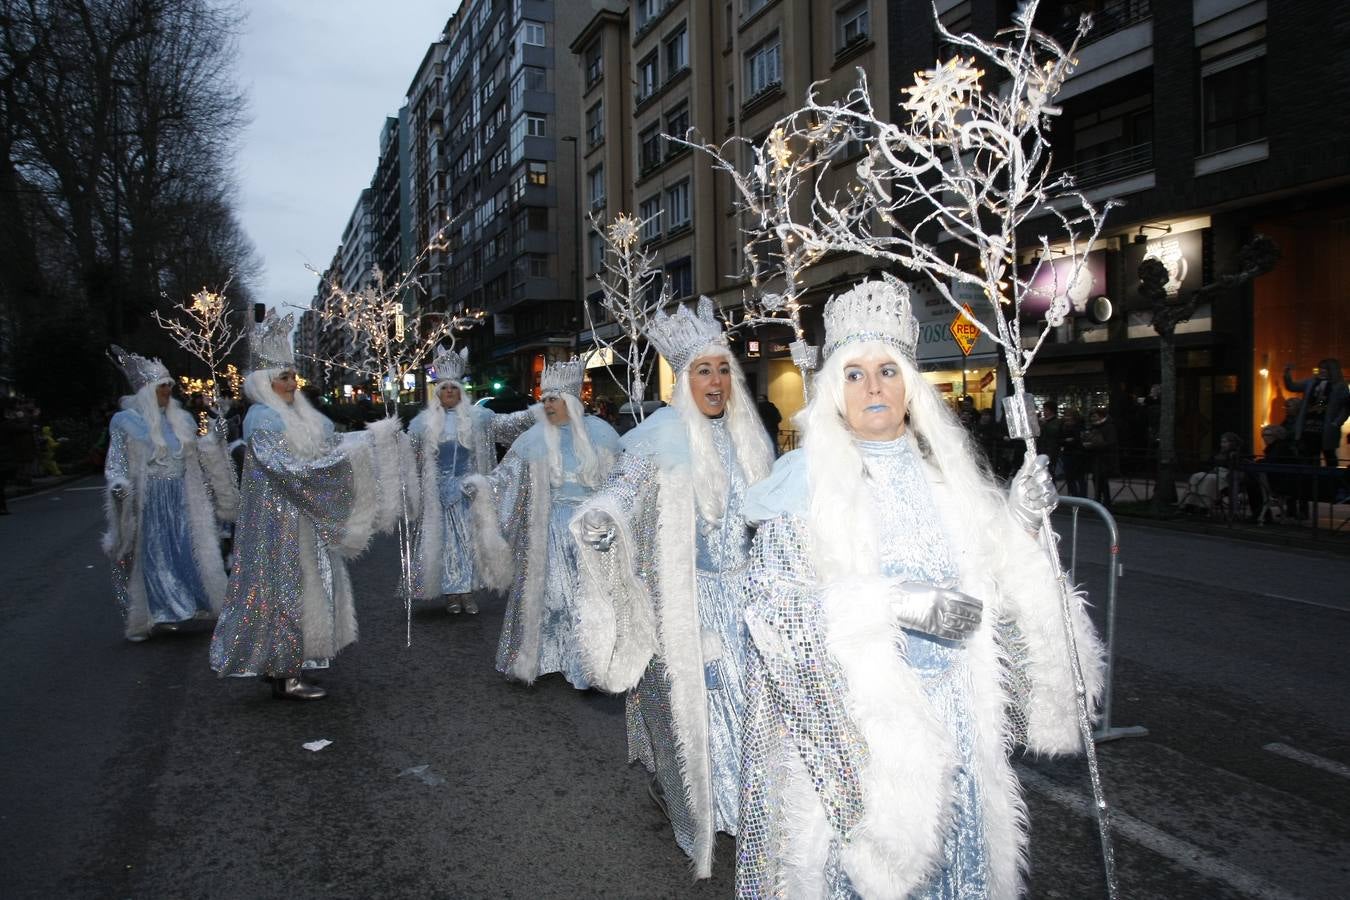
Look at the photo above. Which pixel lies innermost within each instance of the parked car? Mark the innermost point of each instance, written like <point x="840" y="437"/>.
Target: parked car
<point x="505" y="403"/>
<point x="628" y="414"/>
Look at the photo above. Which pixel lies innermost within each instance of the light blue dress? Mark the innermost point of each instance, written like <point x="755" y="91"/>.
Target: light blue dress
<point x="453" y="463"/>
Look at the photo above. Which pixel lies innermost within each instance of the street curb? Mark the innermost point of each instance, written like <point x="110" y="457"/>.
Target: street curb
<point x="1336" y="548"/>
<point x="34" y="490"/>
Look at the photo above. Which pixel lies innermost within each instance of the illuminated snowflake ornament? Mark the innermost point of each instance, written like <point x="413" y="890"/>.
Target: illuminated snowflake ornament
<point x="938" y="94"/>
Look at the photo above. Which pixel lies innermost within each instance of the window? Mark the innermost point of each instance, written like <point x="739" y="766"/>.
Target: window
<point x="595" y="186"/>
<point x="648" y="11"/>
<point x="595" y="64"/>
<point x="649" y="147"/>
<point x="523" y="127"/>
<point x="1232" y="90"/>
<point x="680" y="278"/>
<point x="498" y="161"/>
<point x="647" y="77"/>
<point x="649" y="212"/>
<point x="677" y="125"/>
<point x="852" y="24"/>
<point x="595" y="124"/>
<point x="754" y="6"/>
<point x="536" y="173"/>
<point x="677" y="205"/>
<point x="536" y="218"/>
<point x="677" y="51"/>
<point x="764" y="67"/>
<point x="540" y="265"/>
<point x="536" y="126"/>
<point x="532" y="33"/>
<point x="595" y="252"/>
<point x="529" y="78"/>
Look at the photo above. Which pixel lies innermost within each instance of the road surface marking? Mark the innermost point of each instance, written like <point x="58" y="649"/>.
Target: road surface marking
<point x="1188" y="856"/>
<point x="73" y="490"/>
<point x="1309" y="759"/>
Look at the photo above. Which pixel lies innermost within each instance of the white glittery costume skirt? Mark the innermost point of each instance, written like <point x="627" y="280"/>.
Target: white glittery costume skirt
<point x="557" y="631"/>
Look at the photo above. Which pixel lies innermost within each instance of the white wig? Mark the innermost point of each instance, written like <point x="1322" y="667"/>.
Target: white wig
<point x="744" y="426"/>
<point x="842" y="534"/>
<point x="146" y="403"/>
<point x="435" y="420"/>
<point x="590" y="469"/>
<point x="304" y="424"/>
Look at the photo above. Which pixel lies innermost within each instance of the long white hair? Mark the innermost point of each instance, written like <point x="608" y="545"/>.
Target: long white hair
<point x="435" y="415"/>
<point x="746" y="429"/>
<point x="146" y="404"/>
<point x="843" y="535"/>
<point x="304" y="424"/>
<point x="591" y="470"/>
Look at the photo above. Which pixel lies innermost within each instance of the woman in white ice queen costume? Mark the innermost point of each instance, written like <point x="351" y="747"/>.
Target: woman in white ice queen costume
<point x="310" y="499"/>
<point x="521" y="514"/>
<point x="907" y="631"/>
<point x="166" y="487"/>
<point x="452" y="439"/>
<point x="662" y="554"/>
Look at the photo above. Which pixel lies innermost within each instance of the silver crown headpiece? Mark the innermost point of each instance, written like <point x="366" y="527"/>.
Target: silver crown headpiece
<point x="450" y="365"/>
<point x="563" y="378"/>
<point x="269" y="343"/>
<point x="138" y="370"/>
<point x="681" y="335"/>
<point x="872" y="311"/>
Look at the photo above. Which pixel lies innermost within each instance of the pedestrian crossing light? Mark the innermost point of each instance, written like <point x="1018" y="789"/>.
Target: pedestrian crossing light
<point x="496" y="386"/>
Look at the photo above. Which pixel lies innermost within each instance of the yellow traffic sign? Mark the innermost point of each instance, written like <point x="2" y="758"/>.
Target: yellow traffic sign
<point x="963" y="328"/>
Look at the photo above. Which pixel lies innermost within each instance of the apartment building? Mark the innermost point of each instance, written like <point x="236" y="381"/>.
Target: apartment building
<point x="1202" y="116"/>
<point x="712" y="71"/>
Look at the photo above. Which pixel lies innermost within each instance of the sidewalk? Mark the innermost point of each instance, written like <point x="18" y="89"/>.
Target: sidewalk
<point x="1133" y="503"/>
<point x="44" y="482"/>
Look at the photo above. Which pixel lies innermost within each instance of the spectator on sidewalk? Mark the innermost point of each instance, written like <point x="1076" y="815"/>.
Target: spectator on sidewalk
<point x="14" y="434"/>
<point x="771" y="417"/>
<point x="1103" y="448"/>
<point x="1072" y="454"/>
<point x="1324" y="408"/>
<point x="1205" y="489"/>
<point x="1272" y="486"/>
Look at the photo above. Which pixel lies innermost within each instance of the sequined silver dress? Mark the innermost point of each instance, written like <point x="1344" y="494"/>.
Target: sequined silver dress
<point x="661" y="618"/>
<point x="875" y="757"/>
<point x="289" y="602"/>
<point x="532" y="513"/>
<point x="163" y="537"/>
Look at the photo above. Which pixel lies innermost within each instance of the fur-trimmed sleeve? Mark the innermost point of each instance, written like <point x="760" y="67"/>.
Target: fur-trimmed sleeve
<point x="220" y="477"/>
<point x="495" y="530"/>
<point x="617" y="630"/>
<point x="335" y="489"/>
<point x="1040" y="648"/>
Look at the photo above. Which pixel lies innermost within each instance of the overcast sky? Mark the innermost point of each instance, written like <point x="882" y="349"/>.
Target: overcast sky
<point x="321" y="76"/>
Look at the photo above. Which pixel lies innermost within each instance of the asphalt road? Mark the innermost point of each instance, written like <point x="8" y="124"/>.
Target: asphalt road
<point x="130" y="770"/>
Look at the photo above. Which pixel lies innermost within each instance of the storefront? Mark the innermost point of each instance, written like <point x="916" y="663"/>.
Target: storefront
<point x="941" y="358"/>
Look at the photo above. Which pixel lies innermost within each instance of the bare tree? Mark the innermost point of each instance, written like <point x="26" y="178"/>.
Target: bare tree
<point x="1257" y="257"/>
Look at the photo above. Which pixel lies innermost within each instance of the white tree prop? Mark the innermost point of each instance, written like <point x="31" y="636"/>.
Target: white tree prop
<point x="946" y="194"/>
<point x="627" y="299"/>
<point x="204" y="331"/>
<point x="775" y="255"/>
<point x="389" y="343"/>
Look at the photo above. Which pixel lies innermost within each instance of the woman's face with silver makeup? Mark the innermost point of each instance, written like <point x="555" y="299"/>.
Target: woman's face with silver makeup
<point x="874" y="398"/>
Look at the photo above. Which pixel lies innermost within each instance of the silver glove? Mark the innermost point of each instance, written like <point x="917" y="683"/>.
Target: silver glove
<point x="597" y="529"/>
<point x="937" y="611"/>
<point x="120" y="491"/>
<point x="1031" y="492"/>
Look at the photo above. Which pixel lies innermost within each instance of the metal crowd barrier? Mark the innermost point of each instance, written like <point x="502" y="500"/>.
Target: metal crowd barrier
<point x="1114" y="570"/>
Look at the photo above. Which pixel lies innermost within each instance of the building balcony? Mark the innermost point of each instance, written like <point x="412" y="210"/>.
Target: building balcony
<point x="1108" y="17"/>
<point x="1111" y="167"/>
